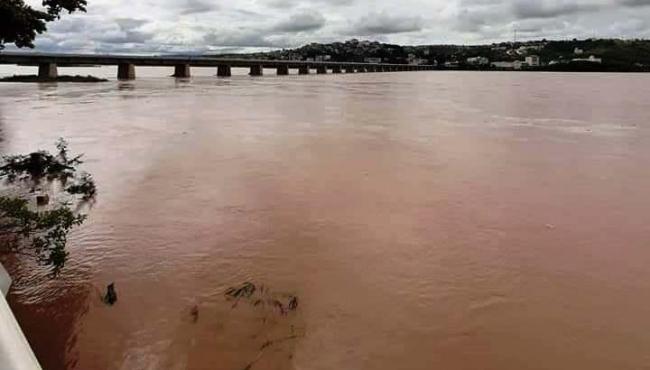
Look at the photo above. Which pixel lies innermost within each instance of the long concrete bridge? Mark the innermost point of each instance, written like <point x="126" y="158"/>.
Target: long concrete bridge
<point x="47" y="64"/>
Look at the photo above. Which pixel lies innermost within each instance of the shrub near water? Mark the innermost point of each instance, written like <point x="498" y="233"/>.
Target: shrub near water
<point x="42" y="233"/>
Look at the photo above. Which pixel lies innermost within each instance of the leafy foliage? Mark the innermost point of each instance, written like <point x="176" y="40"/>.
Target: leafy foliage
<point x="38" y="166"/>
<point x="84" y="186"/>
<point x="42" y="233"/>
<point x="20" y="23"/>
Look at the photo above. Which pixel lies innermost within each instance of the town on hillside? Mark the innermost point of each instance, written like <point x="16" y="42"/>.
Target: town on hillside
<point x="579" y="55"/>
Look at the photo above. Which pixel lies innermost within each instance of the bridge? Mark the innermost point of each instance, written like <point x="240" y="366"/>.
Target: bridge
<point x="48" y="63"/>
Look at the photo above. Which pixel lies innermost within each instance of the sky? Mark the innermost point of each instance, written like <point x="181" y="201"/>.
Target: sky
<point x="168" y="26"/>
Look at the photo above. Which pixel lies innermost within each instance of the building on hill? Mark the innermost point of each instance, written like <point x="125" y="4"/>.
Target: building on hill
<point x="532" y="61"/>
<point x="478" y="61"/>
<point x="503" y="65"/>
<point x="591" y="59"/>
<point x="414" y="60"/>
<point x="451" y="64"/>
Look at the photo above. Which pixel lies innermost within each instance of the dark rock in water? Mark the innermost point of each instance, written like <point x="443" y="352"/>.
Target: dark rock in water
<point x="195" y="313"/>
<point x="293" y="303"/>
<point x="111" y="296"/>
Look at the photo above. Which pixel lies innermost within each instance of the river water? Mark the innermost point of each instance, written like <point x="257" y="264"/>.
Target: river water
<point x="450" y="220"/>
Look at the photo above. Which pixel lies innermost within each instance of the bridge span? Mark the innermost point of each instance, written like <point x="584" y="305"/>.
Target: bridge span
<point x="48" y="63"/>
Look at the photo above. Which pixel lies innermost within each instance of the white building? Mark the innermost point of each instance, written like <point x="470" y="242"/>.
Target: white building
<point x="478" y="61"/>
<point x="518" y="64"/>
<point x="372" y="60"/>
<point x="532" y="60"/>
<point x="578" y="51"/>
<point x="414" y="60"/>
<point x="591" y="59"/>
<point x="503" y="65"/>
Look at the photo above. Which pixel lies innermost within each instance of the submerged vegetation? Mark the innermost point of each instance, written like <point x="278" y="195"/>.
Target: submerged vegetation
<point x="283" y="302"/>
<point x="41" y="230"/>
<point x="277" y="309"/>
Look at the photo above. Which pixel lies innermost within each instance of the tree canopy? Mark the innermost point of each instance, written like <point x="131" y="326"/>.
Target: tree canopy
<point x="20" y="23"/>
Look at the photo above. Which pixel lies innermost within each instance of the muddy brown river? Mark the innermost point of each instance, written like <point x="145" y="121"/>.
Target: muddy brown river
<point x="424" y="220"/>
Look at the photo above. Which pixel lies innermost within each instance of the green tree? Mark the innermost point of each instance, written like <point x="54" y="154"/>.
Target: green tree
<point x="20" y="23"/>
<point x="40" y="230"/>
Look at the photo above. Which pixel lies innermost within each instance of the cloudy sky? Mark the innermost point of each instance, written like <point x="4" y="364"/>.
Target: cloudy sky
<point x="147" y="26"/>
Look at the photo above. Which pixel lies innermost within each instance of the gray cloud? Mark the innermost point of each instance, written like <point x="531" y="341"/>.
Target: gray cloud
<point x="287" y="4"/>
<point x="384" y="23"/>
<point x="301" y="22"/>
<point x="523" y="9"/>
<point x="237" y="39"/>
<point x="196" y="25"/>
<point x="635" y="3"/>
<point x="198" y="6"/>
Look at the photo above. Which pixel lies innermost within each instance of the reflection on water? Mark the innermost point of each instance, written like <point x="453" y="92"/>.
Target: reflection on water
<point x="425" y="220"/>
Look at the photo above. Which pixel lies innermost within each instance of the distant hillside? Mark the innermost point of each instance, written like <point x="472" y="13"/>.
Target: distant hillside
<point x="624" y="55"/>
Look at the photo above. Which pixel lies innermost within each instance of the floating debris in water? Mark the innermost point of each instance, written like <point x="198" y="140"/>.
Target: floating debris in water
<point x="279" y="305"/>
<point x="111" y="295"/>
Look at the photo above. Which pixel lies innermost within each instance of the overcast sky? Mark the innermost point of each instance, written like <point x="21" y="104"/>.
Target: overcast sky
<point x="147" y="26"/>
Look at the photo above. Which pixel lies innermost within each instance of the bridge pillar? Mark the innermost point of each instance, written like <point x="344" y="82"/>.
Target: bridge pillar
<point x="283" y="70"/>
<point x="223" y="71"/>
<point x="321" y="70"/>
<point x="303" y="70"/>
<point x="125" y="71"/>
<point x="349" y="69"/>
<point x="182" y="71"/>
<point x="336" y="69"/>
<point x="361" y="69"/>
<point x="47" y="71"/>
<point x="257" y="70"/>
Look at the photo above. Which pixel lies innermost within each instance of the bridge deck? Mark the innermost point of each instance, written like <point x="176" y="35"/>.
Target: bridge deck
<point x="152" y="61"/>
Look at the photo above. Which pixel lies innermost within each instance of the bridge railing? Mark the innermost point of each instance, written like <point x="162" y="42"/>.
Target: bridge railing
<point x="15" y="352"/>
